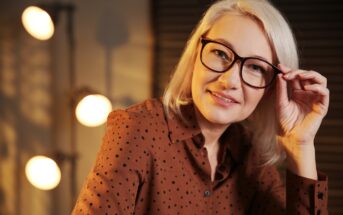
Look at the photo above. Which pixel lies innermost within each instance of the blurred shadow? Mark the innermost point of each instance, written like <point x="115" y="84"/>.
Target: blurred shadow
<point x="112" y="32"/>
<point x="25" y="118"/>
<point x="3" y="209"/>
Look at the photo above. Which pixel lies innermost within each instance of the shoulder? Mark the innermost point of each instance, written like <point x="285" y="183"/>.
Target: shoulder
<point x="148" y="109"/>
<point x="142" y="114"/>
<point x="128" y="138"/>
<point x="140" y="122"/>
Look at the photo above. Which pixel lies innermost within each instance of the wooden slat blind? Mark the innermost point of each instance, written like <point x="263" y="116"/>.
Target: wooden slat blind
<point x="318" y="27"/>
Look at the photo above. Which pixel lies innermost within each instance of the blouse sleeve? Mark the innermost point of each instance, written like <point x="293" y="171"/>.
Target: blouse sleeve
<point x="301" y="196"/>
<point x="307" y="196"/>
<point x="119" y="172"/>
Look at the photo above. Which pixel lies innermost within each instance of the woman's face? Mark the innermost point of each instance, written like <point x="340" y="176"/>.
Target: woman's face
<point x="247" y="39"/>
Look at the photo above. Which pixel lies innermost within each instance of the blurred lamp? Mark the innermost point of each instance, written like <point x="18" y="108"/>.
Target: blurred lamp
<point x="93" y="109"/>
<point x="38" y="23"/>
<point x="43" y="172"/>
<point x="39" y="20"/>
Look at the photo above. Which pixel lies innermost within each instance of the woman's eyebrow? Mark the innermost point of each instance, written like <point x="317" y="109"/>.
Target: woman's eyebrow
<point x="230" y="45"/>
<point x="225" y="42"/>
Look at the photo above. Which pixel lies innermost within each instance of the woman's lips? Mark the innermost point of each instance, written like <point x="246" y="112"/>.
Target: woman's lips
<point x="222" y="99"/>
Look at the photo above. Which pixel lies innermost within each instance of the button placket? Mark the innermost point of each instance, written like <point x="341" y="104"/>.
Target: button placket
<point x="207" y="193"/>
<point x="320" y="195"/>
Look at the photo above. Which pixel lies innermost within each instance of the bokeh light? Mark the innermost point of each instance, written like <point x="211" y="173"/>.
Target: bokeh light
<point x="38" y="23"/>
<point x="43" y="172"/>
<point x="93" y="110"/>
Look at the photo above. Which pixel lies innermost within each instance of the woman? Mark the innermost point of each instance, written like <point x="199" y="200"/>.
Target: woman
<point x="227" y="117"/>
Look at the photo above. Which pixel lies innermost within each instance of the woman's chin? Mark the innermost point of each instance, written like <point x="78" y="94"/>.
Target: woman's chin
<point x="217" y="119"/>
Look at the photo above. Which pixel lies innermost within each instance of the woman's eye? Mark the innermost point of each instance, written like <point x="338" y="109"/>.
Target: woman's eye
<point x="221" y="54"/>
<point x="257" y="68"/>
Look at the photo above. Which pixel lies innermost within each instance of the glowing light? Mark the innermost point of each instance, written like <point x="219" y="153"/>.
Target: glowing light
<point x="38" y="23"/>
<point x="43" y="172"/>
<point x="93" y="110"/>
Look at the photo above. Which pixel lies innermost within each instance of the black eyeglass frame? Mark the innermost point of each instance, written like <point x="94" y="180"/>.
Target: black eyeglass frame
<point x="205" y="41"/>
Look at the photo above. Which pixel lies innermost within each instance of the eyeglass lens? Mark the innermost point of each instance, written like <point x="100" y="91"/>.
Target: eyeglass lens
<point x="219" y="58"/>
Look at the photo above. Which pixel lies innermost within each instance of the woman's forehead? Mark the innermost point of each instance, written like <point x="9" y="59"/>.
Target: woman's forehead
<point x="245" y="35"/>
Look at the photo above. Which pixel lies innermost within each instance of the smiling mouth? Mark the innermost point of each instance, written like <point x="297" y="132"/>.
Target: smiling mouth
<point x="225" y="99"/>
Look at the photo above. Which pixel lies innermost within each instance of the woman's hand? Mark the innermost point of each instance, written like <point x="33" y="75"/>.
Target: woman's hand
<point x="302" y="100"/>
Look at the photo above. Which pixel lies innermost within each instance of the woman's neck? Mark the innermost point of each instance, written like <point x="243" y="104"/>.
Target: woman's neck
<point x="211" y="131"/>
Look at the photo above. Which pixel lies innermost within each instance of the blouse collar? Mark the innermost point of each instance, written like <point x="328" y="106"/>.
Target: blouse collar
<point x="234" y="138"/>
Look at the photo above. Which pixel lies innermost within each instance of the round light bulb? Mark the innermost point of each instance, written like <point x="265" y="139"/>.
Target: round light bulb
<point x="38" y="23"/>
<point x="43" y="172"/>
<point x="93" y="110"/>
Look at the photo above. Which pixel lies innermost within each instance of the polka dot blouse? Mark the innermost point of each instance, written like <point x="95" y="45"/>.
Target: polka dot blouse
<point x="153" y="164"/>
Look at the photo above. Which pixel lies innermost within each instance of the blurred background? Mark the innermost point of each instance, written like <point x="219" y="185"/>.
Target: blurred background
<point x="125" y="51"/>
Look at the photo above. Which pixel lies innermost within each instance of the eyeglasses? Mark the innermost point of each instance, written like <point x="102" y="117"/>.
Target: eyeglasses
<point x="254" y="71"/>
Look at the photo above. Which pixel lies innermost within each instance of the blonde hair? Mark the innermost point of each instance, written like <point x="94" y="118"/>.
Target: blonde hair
<point x="262" y="123"/>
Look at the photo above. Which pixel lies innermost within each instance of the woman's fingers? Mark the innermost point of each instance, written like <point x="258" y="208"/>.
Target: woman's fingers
<point x="317" y="88"/>
<point x="281" y="91"/>
<point x="307" y="76"/>
<point x="320" y="90"/>
<point x="314" y="77"/>
<point x="284" y="69"/>
<point x="302" y="80"/>
<point x="315" y="96"/>
<point x="289" y="75"/>
<point x="299" y="79"/>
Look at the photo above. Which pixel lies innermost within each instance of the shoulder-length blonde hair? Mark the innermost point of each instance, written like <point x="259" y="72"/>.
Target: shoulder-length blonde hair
<point x="262" y="123"/>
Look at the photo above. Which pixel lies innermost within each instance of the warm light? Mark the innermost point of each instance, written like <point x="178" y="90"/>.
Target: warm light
<point x="38" y="23"/>
<point x="93" y="110"/>
<point x="43" y="172"/>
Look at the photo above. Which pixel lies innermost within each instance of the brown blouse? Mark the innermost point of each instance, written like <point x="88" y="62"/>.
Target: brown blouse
<point x="151" y="164"/>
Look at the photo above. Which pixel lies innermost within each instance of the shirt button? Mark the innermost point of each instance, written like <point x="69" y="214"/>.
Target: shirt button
<point x="320" y="195"/>
<point x="207" y="193"/>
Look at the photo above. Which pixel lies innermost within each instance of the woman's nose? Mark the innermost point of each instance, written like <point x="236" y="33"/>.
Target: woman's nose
<point x="231" y="78"/>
